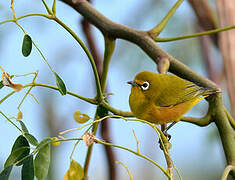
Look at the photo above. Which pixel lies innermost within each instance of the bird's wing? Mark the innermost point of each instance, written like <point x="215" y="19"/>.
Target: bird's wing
<point x="177" y="91"/>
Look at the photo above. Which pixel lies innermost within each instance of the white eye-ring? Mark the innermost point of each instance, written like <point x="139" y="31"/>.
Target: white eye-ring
<point x="145" y="86"/>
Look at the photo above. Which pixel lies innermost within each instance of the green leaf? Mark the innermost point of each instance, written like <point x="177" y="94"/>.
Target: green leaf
<point x="19" y="150"/>
<point x="27" y="171"/>
<point x="60" y="84"/>
<point x="1" y="85"/>
<point x="4" y="175"/>
<point x="27" y="45"/>
<point x="23" y="127"/>
<point x="31" y="139"/>
<point x="75" y="172"/>
<point x="14" y="157"/>
<point x="42" y="161"/>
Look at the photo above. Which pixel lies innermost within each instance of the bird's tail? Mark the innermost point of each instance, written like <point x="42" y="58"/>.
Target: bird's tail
<point x="208" y="91"/>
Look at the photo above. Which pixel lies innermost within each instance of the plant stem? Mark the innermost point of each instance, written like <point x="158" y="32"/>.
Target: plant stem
<point x="10" y="121"/>
<point x="117" y="111"/>
<point x="158" y="29"/>
<point x="136" y="153"/>
<point x="47" y="8"/>
<point x="109" y="48"/>
<point x="157" y="39"/>
<point x="89" y="100"/>
<point x="98" y="86"/>
<point x="24" y="16"/>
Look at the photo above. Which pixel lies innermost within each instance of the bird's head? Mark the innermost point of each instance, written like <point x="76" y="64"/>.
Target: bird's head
<point x="143" y="82"/>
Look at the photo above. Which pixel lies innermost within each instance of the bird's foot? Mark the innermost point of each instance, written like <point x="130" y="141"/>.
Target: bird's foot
<point x="168" y="136"/>
<point x="166" y="144"/>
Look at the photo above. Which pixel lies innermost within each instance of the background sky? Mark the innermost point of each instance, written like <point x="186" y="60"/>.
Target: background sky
<point x="196" y="151"/>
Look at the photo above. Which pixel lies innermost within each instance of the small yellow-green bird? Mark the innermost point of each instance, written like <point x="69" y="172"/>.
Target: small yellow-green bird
<point x="163" y="98"/>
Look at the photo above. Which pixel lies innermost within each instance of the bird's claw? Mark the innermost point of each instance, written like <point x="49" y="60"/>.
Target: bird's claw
<point x="168" y="136"/>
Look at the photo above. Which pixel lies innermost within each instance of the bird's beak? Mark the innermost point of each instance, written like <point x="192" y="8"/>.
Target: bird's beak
<point x="133" y="83"/>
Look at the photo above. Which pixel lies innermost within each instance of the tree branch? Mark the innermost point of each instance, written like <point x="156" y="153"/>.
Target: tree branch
<point x="148" y="45"/>
<point x="140" y="38"/>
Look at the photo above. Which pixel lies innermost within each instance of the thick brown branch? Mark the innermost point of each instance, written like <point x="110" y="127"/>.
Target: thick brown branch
<point x="140" y="38"/>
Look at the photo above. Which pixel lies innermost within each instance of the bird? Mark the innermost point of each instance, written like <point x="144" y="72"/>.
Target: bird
<point x="163" y="98"/>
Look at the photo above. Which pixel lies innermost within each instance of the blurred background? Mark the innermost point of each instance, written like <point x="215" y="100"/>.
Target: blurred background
<point x="196" y="151"/>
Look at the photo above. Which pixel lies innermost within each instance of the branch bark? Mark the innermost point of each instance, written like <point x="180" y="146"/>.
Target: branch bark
<point x="140" y="38"/>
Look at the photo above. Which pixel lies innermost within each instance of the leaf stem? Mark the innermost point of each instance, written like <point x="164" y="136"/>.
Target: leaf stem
<point x="28" y="92"/>
<point x="136" y="153"/>
<point x="47" y="8"/>
<point x="157" y="39"/>
<point x="10" y="121"/>
<point x="98" y="86"/>
<point x="128" y="171"/>
<point x="24" y="16"/>
<point x="89" y="100"/>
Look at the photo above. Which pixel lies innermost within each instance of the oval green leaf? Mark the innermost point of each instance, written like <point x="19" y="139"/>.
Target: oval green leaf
<point x="60" y="84"/>
<point x="19" y="150"/>
<point x="14" y="157"/>
<point x="42" y="162"/>
<point x="31" y="139"/>
<point x="4" y="175"/>
<point x="27" y="45"/>
<point x="27" y="171"/>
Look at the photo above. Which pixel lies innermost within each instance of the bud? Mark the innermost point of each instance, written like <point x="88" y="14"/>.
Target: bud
<point x="163" y="65"/>
<point x="19" y="115"/>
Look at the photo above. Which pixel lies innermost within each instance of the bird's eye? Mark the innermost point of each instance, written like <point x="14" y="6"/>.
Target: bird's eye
<point x="145" y="86"/>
